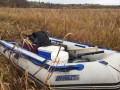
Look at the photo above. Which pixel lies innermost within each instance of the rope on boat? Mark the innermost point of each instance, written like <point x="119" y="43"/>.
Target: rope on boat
<point x="106" y="63"/>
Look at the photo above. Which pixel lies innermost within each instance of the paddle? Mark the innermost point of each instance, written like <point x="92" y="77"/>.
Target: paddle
<point x="80" y="49"/>
<point x="90" y="53"/>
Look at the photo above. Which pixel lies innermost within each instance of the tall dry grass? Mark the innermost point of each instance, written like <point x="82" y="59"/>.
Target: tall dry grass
<point x="100" y="27"/>
<point x="95" y="26"/>
<point x="12" y="79"/>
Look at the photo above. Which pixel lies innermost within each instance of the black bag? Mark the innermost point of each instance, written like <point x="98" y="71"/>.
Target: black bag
<point x="40" y="38"/>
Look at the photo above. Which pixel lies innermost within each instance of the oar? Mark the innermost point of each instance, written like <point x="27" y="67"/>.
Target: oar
<point x="80" y="49"/>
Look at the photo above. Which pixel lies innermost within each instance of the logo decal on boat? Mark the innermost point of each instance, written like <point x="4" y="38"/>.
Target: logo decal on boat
<point x="67" y="77"/>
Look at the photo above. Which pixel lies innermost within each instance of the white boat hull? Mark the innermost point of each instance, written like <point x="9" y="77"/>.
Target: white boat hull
<point x="91" y="75"/>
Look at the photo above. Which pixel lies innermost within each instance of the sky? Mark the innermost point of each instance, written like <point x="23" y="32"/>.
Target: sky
<point x="102" y="2"/>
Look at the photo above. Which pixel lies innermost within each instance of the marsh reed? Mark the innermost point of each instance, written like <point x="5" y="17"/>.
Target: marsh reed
<point x="100" y="27"/>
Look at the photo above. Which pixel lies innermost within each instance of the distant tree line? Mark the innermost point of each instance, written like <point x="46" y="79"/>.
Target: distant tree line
<point x="26" y="4"/>
<point x="14" y="3"/>
<point x="51" y="5"/>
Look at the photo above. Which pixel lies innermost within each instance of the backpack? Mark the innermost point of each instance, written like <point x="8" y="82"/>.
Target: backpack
<point x="40" y="38"/>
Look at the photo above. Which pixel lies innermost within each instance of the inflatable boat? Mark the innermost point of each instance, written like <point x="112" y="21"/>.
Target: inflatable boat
<point x="67" y="66"/>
